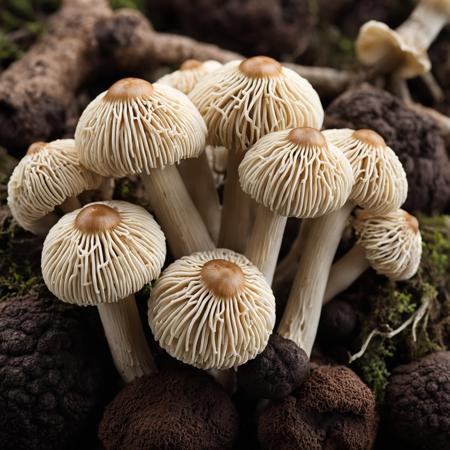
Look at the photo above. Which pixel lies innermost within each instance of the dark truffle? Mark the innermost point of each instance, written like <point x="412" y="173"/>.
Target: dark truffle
<point x="412" y="136"/>
<point x="333" y="409"/>
<point x="282" y="367"/>
<point x="418" y="402"/>
<point x="53" y="377"/>
<point x="337" y="321"/>
<point x="178" y="410"/>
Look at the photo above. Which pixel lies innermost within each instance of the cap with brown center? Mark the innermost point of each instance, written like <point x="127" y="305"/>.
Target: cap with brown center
<point x="46" y="177"/>
<point x="380" y="180"/>
<point x="213" y="310"/>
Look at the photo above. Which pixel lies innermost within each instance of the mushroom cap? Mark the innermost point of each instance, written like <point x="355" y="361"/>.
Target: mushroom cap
<point x="440" y="5"/>
<point x="380" y="180"/>
<point x="102" y="253"/>
<point x="189" y="73"/>
<point x="392" y="242"/>
<point x="296" y="173"/>
<point x="183" y="409"/>
<point x="135" y="126"/>
<point x="244" y="100"/>
<point x="45" y="177"/>
<point x="212" y="309"/>
<point x="376" y="42"/>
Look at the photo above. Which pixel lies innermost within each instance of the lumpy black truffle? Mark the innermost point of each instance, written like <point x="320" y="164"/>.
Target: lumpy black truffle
<point x="178" y="410"/>
<point x="337" y="321"/>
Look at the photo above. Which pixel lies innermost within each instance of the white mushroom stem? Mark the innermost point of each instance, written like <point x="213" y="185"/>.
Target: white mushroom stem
<point x="265" y="239"/>
<point x="346" y="271"/>
<point x="181" y="222"/>
<point x="70" y="204"/>
<point x="106" y="188"/>
<point x="320" y="238"/>
<point x="199" y="182"/>
<point x="125" y="335"/>
<point x="235" y="224"/>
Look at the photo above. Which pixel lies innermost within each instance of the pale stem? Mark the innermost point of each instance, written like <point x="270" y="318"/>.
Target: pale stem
<point x="176" y="213"/>
<point x="199" y="182"/>
<point x="106" y="188"/>
<point x="320" y="239"/>
<point x="265" y="239"/>
<point x="70" y="204"/>
<point x="345" y="272"/>
<point x="126" y="339"/>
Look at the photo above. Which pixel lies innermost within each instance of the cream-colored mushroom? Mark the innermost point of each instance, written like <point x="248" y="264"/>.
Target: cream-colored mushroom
<point x="391" y="244"/>
<point x="241" y="102"/>
<point x="101" y="255"/>
<point x="48" y="176"/>
<point x="213" y="310"/>
<point x="139" y="128"/>
<point x="404" y="50"/>
<point x="196" y="173"/>
<point x="290" y="173"/>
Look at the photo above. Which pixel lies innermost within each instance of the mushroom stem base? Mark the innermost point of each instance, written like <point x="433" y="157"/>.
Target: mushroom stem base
<point x="125" y="335"/>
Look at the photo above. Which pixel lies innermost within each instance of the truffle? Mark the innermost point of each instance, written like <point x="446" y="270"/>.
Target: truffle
<point x="280" y="369"/>
<point x="418" y="402"/>
<point x="413" y="137"/>
<point x="184" y="409"/>
<point x="53" y="375"/>
<point x="334" y="409"/>
<point x="337" y="321"/>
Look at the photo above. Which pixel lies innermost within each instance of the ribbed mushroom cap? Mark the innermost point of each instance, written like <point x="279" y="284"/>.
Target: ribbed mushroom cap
<point x="189" y="73"/>
<point x="102" y="253"/>
<point x="296" y="173"/>
<point x="135" y="126"/>
<point x="376" y="42"/>
<point x="212" y="310"/>
<point x="45" y="177"/>
<point x="380" y="180"/>
<point x="244" y="100"/>
<point x="392" y="242"/>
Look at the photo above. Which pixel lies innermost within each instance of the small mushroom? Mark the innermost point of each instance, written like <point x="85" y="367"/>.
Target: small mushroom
<point x="404" y="50"/>
<point x="47" y="177"/>
<point x="391" y="244"/>
<point x="139" y="128"/>
<point x="101" y="255"/>
<point x="212" y="310"/>
<point x="241" y="102"/>
<point x="196" y="173"/>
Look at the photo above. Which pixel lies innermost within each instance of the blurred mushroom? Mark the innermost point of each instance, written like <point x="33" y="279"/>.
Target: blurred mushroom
<point x="101" y="255"/>
<point x="241" y="102"/>
<point x="139" y="128"/>
<point x="390" y="243"/>
<point x="47" y="177"/>
<point x="180" y="410"/>
<point x="213" y="310"/>
<point x="404" y="50"/>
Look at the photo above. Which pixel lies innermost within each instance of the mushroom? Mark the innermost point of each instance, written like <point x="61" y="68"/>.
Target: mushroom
<point x="196" y="173"/>
<point x="139" y="128"/>
<point x="290" y="173"/>
<point x="182" y="409"/>
<point x="212" y="310"/>
<point x="389" y="243"/>
<point x="404" y="50"/>
<point x="101" y="255"/>
<point x="47" y="177"/>
<point x="241" y="102"/>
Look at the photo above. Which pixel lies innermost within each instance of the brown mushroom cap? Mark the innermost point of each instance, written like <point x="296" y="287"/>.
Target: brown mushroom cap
<point x="212" y="310"/>
<point x="380" y="180"/>
<point x="245" y="100"/>
<point x="296" y="173"/>
<point x="392" y="242"/>
<point x="102" y="253"/>
<point x="45" y="177"/>
<point x="136" y="126"/>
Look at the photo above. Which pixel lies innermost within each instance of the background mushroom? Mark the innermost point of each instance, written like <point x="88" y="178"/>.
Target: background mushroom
<point x="138" y="128"/>
<point x="178" y="409"/>
<point x="49" y="176"/>
<point x="241" y="102"/>
<point x="212" y="310"/>
<point x="101" y="255"/>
